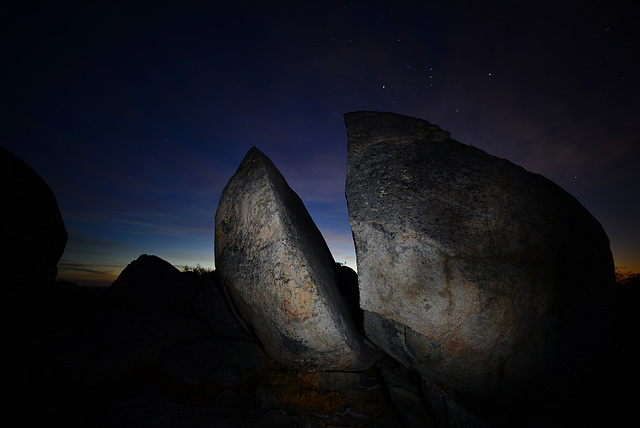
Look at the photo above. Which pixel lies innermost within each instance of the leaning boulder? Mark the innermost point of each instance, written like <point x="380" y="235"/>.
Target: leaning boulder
<point x="278" y="269"/>
<point x="32" y="230"/>
<point x="478" y="274"/>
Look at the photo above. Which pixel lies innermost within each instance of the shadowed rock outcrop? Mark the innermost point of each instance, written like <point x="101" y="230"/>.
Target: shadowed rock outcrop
<point x="151" y="284"/>
<point x="480" y="275"/>
<point x="31" y="229"/>
<point x="280" y="272"/>
<point x="212" y="305"/>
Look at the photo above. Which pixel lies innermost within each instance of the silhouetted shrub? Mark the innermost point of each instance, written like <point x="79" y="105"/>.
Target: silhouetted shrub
<point x="627" y="278"/>
<point x="198" y="270"/>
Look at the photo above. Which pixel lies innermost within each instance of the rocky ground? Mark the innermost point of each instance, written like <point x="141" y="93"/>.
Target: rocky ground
<point x="71" y="359"/>
<point x="74" y="360"/>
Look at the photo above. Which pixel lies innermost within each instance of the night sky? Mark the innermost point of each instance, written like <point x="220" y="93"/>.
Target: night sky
<point x="137" y="115"/>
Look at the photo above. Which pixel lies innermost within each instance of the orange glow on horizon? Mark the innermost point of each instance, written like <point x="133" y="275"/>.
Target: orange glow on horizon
<point x="95" y="278"/>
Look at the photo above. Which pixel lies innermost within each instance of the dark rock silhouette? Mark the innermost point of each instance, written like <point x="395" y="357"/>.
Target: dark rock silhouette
<point x="31" y="228"/>
<point x="487" y="279"/>
<point x="347" y="280"/>
<point x="214" y="306"/>
<point x="152" y="284"/>
<point x="280" y="272"/>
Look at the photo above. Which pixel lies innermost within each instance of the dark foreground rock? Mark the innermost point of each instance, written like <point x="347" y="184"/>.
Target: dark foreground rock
<point x="485" y="278"/>
<point x="140" y="413"/>
<point x="83" y="363"/>
<point x="277" y="267"/>
<point x="32" y="230"/>
<point x="213" y="305"/>
<point x="224" y="361"/>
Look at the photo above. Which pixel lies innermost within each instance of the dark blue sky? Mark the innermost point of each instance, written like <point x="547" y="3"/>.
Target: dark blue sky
<point x="137" y="114"/>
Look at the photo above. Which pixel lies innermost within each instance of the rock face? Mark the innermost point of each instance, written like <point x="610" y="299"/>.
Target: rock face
<point x="473" y="271"/>
<point x="152" y="284"/>
<point x="280" y="272"/>
<point x="33" y="235"/>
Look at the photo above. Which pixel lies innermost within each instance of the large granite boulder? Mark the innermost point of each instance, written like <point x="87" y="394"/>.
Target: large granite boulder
<point x="278" y="269"/>
<point x="487" y="279"/>
<point x="151" y="284"/>
<point x="32" y="232"/>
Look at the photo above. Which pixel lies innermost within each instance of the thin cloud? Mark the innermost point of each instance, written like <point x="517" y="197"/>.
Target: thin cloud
<point x="88" y="273"/>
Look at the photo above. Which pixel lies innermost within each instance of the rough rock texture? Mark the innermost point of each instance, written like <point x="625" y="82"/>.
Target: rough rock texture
<point x="473" y="271"/>
<point x="280" y="272"/>
<point x="32" y="232"/>
<point x="150" y="283"/>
